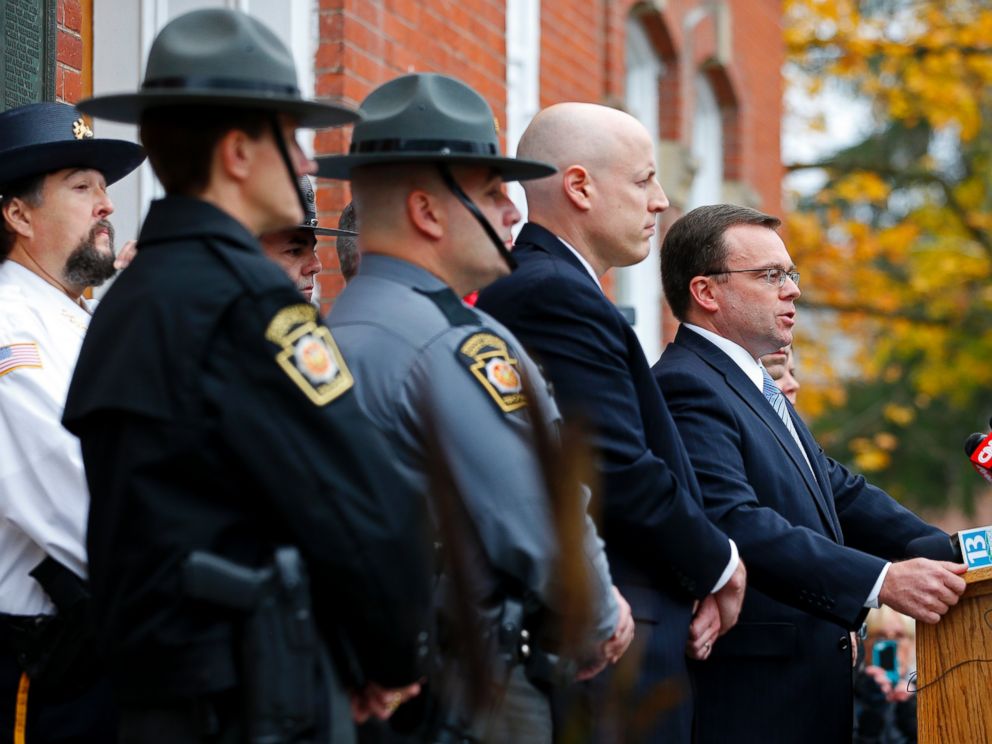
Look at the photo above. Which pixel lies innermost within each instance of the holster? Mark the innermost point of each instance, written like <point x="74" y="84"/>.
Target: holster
<point x="290" y="690"/>
<point x="57" y="652"/>
<point x="518" y="645"/>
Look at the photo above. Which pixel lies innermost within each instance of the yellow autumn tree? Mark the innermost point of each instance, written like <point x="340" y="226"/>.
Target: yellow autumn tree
<point x="896" y="247"/>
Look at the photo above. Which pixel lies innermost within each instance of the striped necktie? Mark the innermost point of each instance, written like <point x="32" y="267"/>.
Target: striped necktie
<point x="777" y="400"/>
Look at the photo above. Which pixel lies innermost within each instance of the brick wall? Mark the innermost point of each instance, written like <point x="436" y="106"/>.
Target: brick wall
<point x="364" y="43"/>
<point x="760" y="54"/>
<point x="73" y="70"/>
<point x="573" y="50"/>
<point x="583" y="50"/>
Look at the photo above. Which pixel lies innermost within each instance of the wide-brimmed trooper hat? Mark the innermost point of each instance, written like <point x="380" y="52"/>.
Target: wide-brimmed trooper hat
<point x="42" y="138"/>
<point x="310" y="213"/>
<point x="219" y="57"/>
<point x="425" y="117"/>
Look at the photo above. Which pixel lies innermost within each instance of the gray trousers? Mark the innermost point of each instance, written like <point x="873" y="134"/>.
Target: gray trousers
<point x="521" y="715"/>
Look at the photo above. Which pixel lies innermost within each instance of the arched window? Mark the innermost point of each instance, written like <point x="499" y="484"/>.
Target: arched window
<point x="639" y="287"/>
<point x="707" y="146"/>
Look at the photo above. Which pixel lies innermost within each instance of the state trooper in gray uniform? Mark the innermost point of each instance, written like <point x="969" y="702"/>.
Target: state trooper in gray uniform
<point x="427" y="178"/>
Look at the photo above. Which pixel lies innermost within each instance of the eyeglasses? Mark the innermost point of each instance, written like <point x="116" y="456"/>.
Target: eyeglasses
<point x="775" y="277"/>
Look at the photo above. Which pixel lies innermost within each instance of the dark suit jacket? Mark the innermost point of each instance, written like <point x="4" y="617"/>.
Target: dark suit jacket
<point x="813" y="548"/>
<point x="663" y="552"/>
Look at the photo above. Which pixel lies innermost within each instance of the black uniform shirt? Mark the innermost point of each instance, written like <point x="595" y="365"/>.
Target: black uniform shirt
<point x="215" y="412"/>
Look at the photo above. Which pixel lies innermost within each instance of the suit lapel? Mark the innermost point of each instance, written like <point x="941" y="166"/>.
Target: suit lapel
<point x="534" y="237"/>
<point x="755" y="400"/>
<point x="822" y="477"/>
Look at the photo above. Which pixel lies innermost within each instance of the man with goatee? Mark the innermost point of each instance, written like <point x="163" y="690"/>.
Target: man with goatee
<point x="55" y="242"/>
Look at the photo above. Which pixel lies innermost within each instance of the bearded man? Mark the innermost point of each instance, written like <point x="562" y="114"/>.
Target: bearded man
<point x="55" y="242"/>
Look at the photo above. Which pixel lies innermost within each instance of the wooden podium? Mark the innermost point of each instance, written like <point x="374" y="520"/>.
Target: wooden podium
<point x="954" y="703"/>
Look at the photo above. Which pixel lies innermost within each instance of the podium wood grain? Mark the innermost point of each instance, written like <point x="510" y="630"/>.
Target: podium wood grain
<point x="955" y="708"/>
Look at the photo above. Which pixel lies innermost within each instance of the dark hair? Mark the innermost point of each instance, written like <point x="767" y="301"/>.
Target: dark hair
<point x="28" y="189"/>
<point x="695" y="245"/>
<point x="347" y="246"/>
<point x="180" y="141"/>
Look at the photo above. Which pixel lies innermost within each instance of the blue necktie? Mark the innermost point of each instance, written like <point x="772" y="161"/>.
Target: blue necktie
<point x="777" y="400"/>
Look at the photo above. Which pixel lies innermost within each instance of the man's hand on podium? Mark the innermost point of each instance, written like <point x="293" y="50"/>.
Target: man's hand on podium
<point x="922" y="588"/>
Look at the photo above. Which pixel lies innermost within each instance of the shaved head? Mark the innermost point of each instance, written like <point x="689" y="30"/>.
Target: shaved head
<point x="568" y="134"/>
<point x="409" y="213"/>
<point x="605" y="197"/>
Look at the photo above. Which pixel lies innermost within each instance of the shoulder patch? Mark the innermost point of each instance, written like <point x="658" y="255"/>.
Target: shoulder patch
<point x="19" y="355"/>
<point x="488" y="358"/>
<point x="309" y="355"/>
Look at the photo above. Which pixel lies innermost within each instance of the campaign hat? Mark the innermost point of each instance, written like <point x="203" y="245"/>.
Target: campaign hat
<point x="219" y="57"/>
<point x="310" y="213"/>
<point x="42" y="138"/>
<point x="427" y="118"/>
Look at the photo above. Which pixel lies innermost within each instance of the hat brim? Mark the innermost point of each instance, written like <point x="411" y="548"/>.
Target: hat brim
<point x="113" y="158"/>
<point x="330" y="232"/>
<point x="510" y="169"/>
<point x="129" y="107"/>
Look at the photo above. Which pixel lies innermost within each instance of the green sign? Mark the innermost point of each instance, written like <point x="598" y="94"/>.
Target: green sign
<point x="27" y="51"/>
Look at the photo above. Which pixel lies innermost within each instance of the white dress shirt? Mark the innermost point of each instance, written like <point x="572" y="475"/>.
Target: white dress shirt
<point x="582" y="260"/>
<point x="43" y="496"/>
<point x="752" y="368"/>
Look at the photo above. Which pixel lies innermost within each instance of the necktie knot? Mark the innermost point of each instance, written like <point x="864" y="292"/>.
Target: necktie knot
<point x="769" y="387"/>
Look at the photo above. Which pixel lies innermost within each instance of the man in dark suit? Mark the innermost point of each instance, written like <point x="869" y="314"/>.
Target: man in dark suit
<point x="817" y="538"/>
<point x="597" y="212"/>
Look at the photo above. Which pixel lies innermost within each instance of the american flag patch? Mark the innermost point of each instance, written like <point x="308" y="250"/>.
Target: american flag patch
<point x="18" y="355"/>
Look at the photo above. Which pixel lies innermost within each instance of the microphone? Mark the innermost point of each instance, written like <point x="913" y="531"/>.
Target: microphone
<point x="972" y="442"/>
<point x="978" y="448"/>
<point x="935" y="547"/>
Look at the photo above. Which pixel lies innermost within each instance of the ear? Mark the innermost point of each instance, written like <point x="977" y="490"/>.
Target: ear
<point x="234" y="154"/>
<point x="425" y="213"/>
<point x="17" y="215"/>
<point x="703" y="293"/>
<point x="576" y="184"/>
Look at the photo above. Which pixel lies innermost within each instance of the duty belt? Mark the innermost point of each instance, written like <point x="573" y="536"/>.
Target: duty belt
<point x="516" y="645"/>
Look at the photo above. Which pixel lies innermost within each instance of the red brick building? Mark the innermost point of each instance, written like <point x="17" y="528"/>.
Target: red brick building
<point x="703" y="75"/>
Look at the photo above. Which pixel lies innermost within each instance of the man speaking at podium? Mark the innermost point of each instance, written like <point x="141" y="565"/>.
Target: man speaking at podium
<point x="817" y="539"/>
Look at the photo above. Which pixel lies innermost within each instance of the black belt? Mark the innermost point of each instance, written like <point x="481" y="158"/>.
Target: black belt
<point x="58" y="657"/>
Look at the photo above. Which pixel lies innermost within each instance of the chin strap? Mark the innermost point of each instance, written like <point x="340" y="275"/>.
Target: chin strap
<point x="284" y="154"/>
<point x="457" y="190"/>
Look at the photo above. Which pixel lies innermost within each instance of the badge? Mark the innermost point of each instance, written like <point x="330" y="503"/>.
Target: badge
<point x="309" y="355"/>
<point x="488" y="359"/>
<point x="80" y="130"/>
<point x="19" y="355"/>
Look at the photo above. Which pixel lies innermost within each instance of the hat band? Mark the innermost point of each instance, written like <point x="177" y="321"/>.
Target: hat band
<point x="207" y="82"/>
<point x="442" y="147"/>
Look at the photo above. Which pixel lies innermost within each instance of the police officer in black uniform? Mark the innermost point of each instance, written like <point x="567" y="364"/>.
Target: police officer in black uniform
<point x="217" y="418"/>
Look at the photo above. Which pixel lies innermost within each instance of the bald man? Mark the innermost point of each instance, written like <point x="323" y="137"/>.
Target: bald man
<point x="681" y="575"/>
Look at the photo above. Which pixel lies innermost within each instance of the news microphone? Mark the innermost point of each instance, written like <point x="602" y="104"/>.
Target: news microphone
<point x="935" y="547"/>
<point x="972" y="442"/>
<point x="978" y="448"/>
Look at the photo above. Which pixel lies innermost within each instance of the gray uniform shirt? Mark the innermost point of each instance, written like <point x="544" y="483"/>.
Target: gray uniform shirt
<point x="416" y="350"/>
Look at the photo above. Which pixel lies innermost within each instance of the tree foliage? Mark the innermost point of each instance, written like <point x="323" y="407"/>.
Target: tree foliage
<point x="896" y="247"/>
